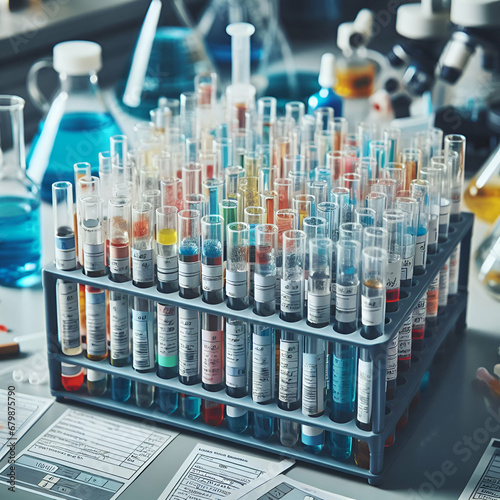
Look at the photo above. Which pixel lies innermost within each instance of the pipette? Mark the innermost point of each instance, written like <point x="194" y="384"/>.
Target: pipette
<point x="240" y="94"/>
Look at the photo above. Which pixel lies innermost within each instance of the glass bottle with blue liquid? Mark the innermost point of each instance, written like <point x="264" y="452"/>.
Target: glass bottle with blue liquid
<point x="326" y="96"/>
<point x="20" y="245"/>
<point x="77" y="123"/>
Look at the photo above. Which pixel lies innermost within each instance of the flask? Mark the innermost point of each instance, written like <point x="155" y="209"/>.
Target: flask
<point x="77" y="123"/>
<point x="20" y="243"/>
<point x="326" y="96"/>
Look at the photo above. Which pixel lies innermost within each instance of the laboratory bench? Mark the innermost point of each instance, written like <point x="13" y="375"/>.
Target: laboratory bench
<point x="450" y="417"/>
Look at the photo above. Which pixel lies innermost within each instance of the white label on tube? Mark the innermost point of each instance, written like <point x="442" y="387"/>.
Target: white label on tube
<point x="313" y="383"/>
<point x="365" y="378"/>
<point x="307" y="430"/>
<point x="69" y="320"/>
<point x="292" y="296"/>
<point x="404" y="346"/>
<point x="142" y="265"/>
<point x="418" y="315"/>
<point x="236" y="284"/>
<point x="211" y="277"/>
<point x="289" y="371"/>
<point x="142" y="340"/>
<point x="264" y="288"/>
<point x="277" y="295"/>
<point x="119" y="259"/>
<point x="262" y="362"/>
<point x="95" y="309"/>
<point x="189" y="274"/>
<point x="421" y="250"/>
<point x="407" y="268"/>
<point x="188" y="342"/>
<point x="95" y="376"/>
<point x="444" y="275"/>
<point x="318" y="308"/>
<point x="233" y="412"/>
<point x="393" y="274"/>
<point x="167" y="268"/>
<point x="93" y="257"/>
<point x="119" y="327"/>
<point x="65" y="252"/>
<point x="166" y="318"/>
<point x="444" y="213"/>
<point x="236" y="355"/>
<point x="346" y="303"/>
<point x="454" y="269"/>
<point x="392" y="359"/>
<point x="372" y="310"/>
<point x="212" y="352"/>
<point x="432" y="230"/>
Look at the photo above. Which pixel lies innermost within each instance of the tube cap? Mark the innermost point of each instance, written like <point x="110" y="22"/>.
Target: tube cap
<point x="326" y="78"/>
<point x="77" y="58"/>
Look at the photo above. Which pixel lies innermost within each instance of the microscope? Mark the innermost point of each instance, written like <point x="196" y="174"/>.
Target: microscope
<point x="476" y="33"/>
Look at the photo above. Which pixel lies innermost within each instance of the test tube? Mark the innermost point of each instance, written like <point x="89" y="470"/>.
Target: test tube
<point x="377" y="202"/>
<point x="313" y="390"/>
<point x="212" y="238"/>
<point x="189" y="360"/>
<point x="168" y="345"/>
<point x="213" y="189"/>
<point x="119" y="343"/>
<point x="292" y="283"/>
<point x="394" y="223"/>
<point x="195" y="202"/>
<point x="392" y="140"/>
<point x="379" y="152"/>
<point x="335" y="161"/>
<point x="351" y="231"/>
<point x="188" y="227"/>
<point x="119" y="239"/>
<point x="319" y="282"/>
<point x="340" y="196"/>
<point x="353" y="183"/>
<point x="330" y="212"/>
<point x="456" y="144"/>
<point x="143" y="348"/>
<point x="375" y="237"/>
<point x="253" y="216"/>
<point x="266" y="247"/>
<point x="432" y="297"/>
<point x="396" y="171"/>
<point x="191" y="179"/>
<point x="427" y="200"/>
<point x="411" y="159"/>
<point x="224" y="149"/>
<point x="302" y="203"/>
<point x="410" y="207"/>
<point x="284" y="189"/>
<point x="167" y="266"/>
<point x="65" y="247"/>
<point x="212" y="365"/>
<point x="95" y="309"/>
<point x="367" y="132"/>
<point x="339" y="126"/>
<point x="93" y="237"/>
<point x="346" y="305"/>
<point x="387" y="187"/>
<point x="189" y="102"/>
<point x="269" y="200"/>
<point x="404" y="345"/>
<point x="367" y="170"/>
<point x="237" y="265"/>
<point x="418" y="324"/>
<point x="237" y="368"/>
<point x="444" y="164"/>
<point x="142" y="245"/>
<point x="171" y="192"/>
<point x="263" y="378"/>
<point x="266" y="111"/>
<point x="365" y="216"/>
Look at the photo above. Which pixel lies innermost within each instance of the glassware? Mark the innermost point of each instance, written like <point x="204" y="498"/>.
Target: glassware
<point x="20" y="245"/>
<point x="77" y="123"/>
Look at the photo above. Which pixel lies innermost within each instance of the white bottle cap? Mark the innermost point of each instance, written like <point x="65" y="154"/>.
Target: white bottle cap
<point x="326" y="78"/>
<point x="77" y="58"/>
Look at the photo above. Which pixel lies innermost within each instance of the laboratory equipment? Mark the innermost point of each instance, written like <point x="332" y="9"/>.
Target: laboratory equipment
<point x="76" y="121"/>
<point x="20" y="245"/>
<point x="326" y="96"/>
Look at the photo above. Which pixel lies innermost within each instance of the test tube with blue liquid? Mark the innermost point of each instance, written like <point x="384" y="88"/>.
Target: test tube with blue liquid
<point x="212" y="235"/>
<point x="189" y="253"/>
<point x="266" y="247"/>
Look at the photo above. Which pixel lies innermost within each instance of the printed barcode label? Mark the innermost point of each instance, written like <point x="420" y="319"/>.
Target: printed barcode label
<point x="119" y="327"/>
<point x="392" y="359"/>
<point x="142" y="265"/>
<point x="264" y="288"/>
<point x="318" y="308"/>
<point x="211" y="277"/>
<point x="189" y="336"/>
<point x="69" y="319"/>
<point x="433" y="230"/>
<point x="167" y="268"/>
<point x="407" y="268"/>
<point x="313" y="384"/>
<point x="342" y="380"/>
<point x="166" y="317"/>
<point x="365" y="377"/>
<point x="394" y="272"/>
<point x="372" y="310"/>
<point x="444" y="275"/>
<point x="236" y="284"/>
<point x="346" y="303"/>
<point x="262" y="362"/>
<point x="93" y="257"/>
<point x="454" y="269"/>
<point x="212" y="353"/>
<point x="95" y="309"/>
<point x="289" y="371"/>
<point x="236" y="355"/>
<point x="292" y="296"/>
<point x="404" y="346"/>
<point x="421" y="249"/>
<point x="143" y="340"/>
<point x="65" y="252"/>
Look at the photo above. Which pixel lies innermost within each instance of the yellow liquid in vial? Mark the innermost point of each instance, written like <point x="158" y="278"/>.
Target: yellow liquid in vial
<point x="355" y="82"/>
<point x="167" y="236"/>
<point x="485" y="201"/>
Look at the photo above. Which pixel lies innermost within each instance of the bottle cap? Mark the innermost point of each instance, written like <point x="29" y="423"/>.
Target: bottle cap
<point x="77" y="58"/>
<point x="326" y="77"/>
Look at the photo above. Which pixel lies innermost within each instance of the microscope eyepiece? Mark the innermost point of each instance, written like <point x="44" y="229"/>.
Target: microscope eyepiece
<point x="455" y="56"/>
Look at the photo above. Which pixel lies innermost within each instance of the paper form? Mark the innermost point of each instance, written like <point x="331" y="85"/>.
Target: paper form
<point x="86" y="456"/>
<point x="24" y="411"/>
<point x="484" y="483"/>
<point x="282" y="487"/>
<point x="214" y="473"/>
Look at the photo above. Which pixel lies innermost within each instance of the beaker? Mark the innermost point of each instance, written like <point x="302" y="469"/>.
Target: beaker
<point x="20" y="245"/>
<point x="168" y="54"/>
<point x="77" y="123"/>
<point x="483" y="192"/>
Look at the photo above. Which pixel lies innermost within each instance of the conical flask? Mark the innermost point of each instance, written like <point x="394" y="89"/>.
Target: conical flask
<point x="167" y="56"/>
<point x="77" y="125"/>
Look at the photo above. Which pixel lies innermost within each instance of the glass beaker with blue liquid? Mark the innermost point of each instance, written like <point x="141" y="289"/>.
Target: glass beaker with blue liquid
<point x="20" y="243"/>
<point x="77" y="123"/>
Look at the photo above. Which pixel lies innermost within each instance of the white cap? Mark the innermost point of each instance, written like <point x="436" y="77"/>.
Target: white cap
<point x="416" y="23"/>
<point x="363" y="24"/>
<point x="326" y="78"/>
<point x="77" y="58"/>
<point x="344" y="32"/>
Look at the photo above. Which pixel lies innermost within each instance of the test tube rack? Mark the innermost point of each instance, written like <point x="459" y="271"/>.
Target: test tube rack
<point x="385" y="415"/>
